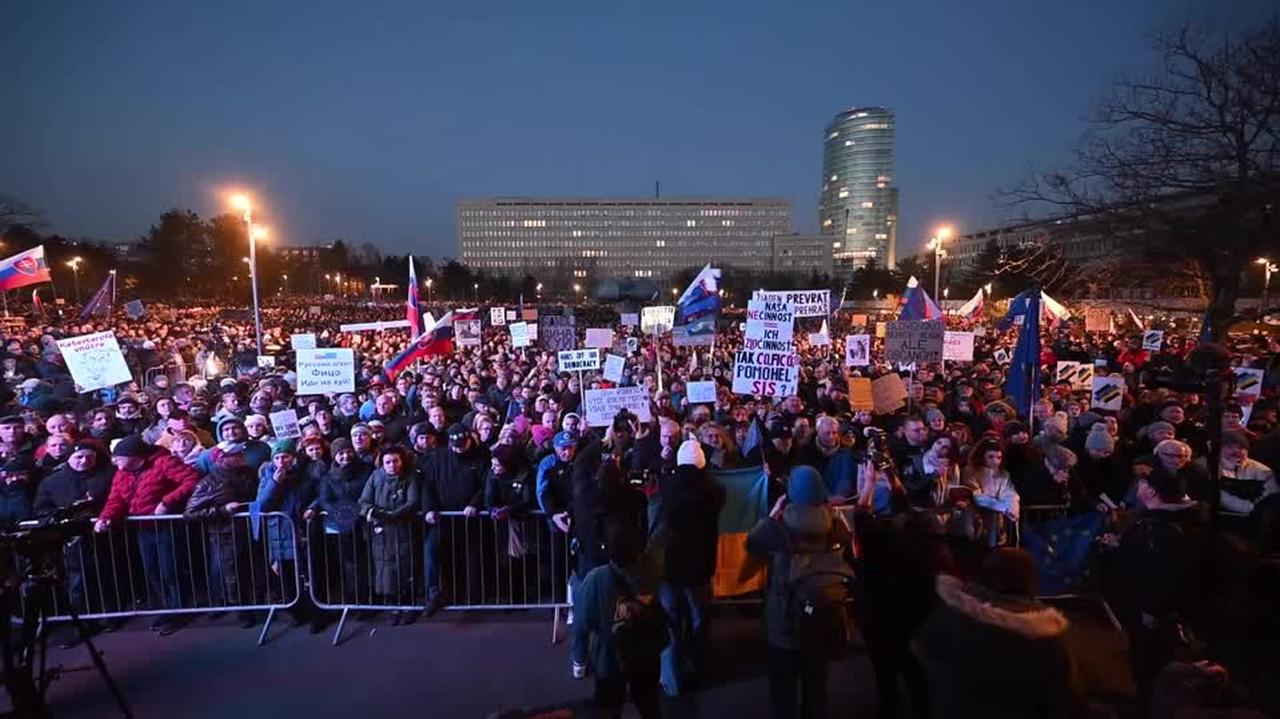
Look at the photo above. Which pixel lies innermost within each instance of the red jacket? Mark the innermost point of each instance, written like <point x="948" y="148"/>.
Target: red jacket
<point x="161" y="478"/>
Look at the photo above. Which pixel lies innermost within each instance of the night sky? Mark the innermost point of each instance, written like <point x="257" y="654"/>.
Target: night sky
<point x="368" y="120"/>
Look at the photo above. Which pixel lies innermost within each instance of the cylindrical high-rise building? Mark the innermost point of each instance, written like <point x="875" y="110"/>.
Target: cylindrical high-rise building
<point x="859" y="200"/>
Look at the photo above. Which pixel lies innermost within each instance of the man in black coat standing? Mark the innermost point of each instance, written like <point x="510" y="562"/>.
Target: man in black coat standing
<point x="452" y="481"/>
<point x="689" y="523"/>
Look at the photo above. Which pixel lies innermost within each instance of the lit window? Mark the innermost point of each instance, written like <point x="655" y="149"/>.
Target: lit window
<point x="868" y="204"/>
<point x="881" y="236"/>
<point x="843" y="194"/>
<point x="848" y="143"/>
<point x="690" y="223"/>
<point x="835" y="245"/>
<point x="879" y="185"/>
<point x="826" y="222"/>
<point x="834" y="134"/>
<point x="835" y="177"/>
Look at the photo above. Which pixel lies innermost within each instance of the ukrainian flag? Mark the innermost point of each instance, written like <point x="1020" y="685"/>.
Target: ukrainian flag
<point x="746" y="501"/>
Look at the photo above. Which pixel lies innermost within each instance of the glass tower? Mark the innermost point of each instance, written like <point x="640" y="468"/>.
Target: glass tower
<point x="859" y="205"/>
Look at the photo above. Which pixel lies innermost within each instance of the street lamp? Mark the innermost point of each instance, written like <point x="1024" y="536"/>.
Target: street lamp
<point x="285" y="277"/>
<point x="935" y="244"/>
<point x="538" y="289"/>
<point x="74" y="264"/>
<point x="475" y="289"/>
<point x="377" y="286"/>
<point x="1267" y="268"/>
<point x="242" y="203"/>
<point x="429" y="283"/>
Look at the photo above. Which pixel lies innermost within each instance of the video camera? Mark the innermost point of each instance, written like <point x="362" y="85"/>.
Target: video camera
<point x="878" y="448"/>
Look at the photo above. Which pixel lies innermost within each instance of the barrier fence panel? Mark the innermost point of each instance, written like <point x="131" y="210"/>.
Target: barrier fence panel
<point x="477" y="562"/>
<point x="173" y="565"/>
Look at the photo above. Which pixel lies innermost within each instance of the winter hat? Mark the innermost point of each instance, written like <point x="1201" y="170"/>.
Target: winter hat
<point x="340" y="444"/>
<point x="1058" y="421"/>
<point x="508" y="455"/>
<point x="933" y="413"/>
<point x="282" y="446"/>
<point x="130" y="446"/>
<point x="541" y="433"/>
<point x="805" y="486"/>
<point x="1012" y="428"/>
<point x="1157" y="426"/>
<point x="690" y="452"/>
<point x="1086" y="420"/>
<point x="229" y="420"/>
<point x="1099" y="439"/>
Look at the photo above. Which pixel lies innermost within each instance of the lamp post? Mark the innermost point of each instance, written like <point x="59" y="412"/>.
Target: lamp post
<point x="1267" y="269"/>
<point x="935" y="244"/>
<point x="538" y="289"/>
<point x="74" y="264"/>
<point x="285" y="277"/>
<point x="377" y="287"/>
<point x="429" y="282"/>
<point x="475" y="292"/>
<point x="242" y="203"/>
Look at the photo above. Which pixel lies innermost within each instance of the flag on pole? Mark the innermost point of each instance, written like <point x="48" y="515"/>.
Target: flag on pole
<point x="917" y="304"/>
<point x="412" y="309"/>
<point x="1023" y="383"/>
<point x="1053" y="310"/>
<point x="437" y="340"/>
<point x="36" y="305"/>
<point x="1135" y="319"/>
<point x="698" y="307"/>
<point x="24" y="268"/>
<point x="973" y="307"/>
<point x="1206" y="327"/>
<point x="101" y="300"/>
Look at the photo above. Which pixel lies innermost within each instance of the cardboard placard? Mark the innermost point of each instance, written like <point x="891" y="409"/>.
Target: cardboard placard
<point x="858" y="320"/>
<point x="602" y="405"/>
<point x="770" y="326"/>
<point x="519" y="334"/>
<point x="95" y="361"/>
<point x="957" y="346"/>
<point x="1097" y="319"/>
<point x="703" y="392"/>
<point x="861" y="397"/>
<point x="303" y="341"/>
<point x="630" y="319"/>
<point x="766" y="373"/>
<point x="326" y="371"/>
<point x="804" y="303"/>
<point x="888" y="394"/>
<point x="914" y="341"/>
<point x="857" y="350"/>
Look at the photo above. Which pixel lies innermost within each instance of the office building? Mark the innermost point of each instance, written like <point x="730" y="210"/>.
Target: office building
<point x="803" y="254"/>
<point x="571" y="239"/>
<point x="859" y="203"/>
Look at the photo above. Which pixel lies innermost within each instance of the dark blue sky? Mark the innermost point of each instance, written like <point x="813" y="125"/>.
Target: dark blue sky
<point x="368" y="120"/>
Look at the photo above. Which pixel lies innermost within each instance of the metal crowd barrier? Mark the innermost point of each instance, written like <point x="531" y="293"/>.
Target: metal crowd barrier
<point x="171" y="565"/>
<point x="471" y="562"/>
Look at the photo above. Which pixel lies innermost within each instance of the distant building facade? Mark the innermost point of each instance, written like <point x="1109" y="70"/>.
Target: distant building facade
<point x="859" y="202"/>
<point x="803" y="254"/>
<point x="591" y="239"/>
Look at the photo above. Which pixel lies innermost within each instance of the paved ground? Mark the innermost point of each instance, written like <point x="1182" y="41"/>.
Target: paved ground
<point x="457" y="665"/>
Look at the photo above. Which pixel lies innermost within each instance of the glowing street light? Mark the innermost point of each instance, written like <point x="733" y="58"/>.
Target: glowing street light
<point x="935" y="243"/>
<point x="428" y="283"/>
<point x="242" y="203"/>
<point x="74" y="264"/>
<point x="1267" y="269"/>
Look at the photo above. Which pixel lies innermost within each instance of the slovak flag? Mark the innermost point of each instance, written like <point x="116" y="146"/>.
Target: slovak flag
<point x="973" y="307"/>
<point x="24" y="268"/>
<point x="412" y="309"/>
<point x="917" y="304"/>
<point x="437" y="340"/>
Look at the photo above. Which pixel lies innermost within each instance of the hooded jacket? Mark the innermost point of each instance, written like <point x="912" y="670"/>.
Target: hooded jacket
<point x="451" y="481"/>
<point x="66" y="486"/>
<point x="161" y="478"/>
<point x="339" y="494"/>
<point x="689" y="520"/>
<point x="988" y="629"/>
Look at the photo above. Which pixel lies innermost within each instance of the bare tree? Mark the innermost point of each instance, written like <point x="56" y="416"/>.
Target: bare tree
<point x="15" y="212"/>
<point x="1185" y="159"/>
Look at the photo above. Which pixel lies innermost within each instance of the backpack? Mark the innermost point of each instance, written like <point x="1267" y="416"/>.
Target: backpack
<point x="639" y="628"/>
<point x="817" y="588"/>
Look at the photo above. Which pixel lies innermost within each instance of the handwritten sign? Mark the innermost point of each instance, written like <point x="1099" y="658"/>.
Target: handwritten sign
<point x="957" y="346"/>
<point x="857" y="350"/>
<point x="613" y="365"/>
<point x="861" y="398"/>
<point x="703" y="392"/>
<point x="602" y="405"/>
<point x="285" y="424"/>
<point x="519" y="334"/>
<point x="1097" y="319"/>
<point x="599" y="338"/>
<point x="914" y="341"/>
<point x="303" y="341"/>
<point x="766" y="373"/>
<point x="578" y="360"/>
<point x="888" y="394"/>
<point x="325" y="371"/>
<point x="95" y="361"/>
<point x="497" y="316"/>
<point x="657" y="320"/>
<point x="804" y="303"/>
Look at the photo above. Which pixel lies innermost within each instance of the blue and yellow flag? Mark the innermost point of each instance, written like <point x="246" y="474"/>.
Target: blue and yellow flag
<point x="746" y="501"/>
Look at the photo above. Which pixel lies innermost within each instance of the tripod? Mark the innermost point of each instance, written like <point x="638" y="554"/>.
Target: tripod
<point x="35" y="596"/>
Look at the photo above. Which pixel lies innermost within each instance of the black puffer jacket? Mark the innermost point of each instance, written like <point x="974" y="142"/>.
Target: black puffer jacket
<point x="452" y="482"/>
<point x="689" y="520"/>
<point x="66" y="486"/>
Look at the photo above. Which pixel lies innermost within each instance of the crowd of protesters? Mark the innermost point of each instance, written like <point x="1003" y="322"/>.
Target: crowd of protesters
<point x="936" y="491"/>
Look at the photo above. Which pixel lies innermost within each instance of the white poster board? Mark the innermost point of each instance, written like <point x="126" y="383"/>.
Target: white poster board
<point x="519" y="334"/>
<point x="497" y="316"/>
<point x="703" y="392"/>
<point x="303" y="341"/>
<point x="599" y="338"/>
<point x="1248" y="381"/>
<point x="578" y="360"/>
<point x="603" y="404"/>
<point x="630" y="319"/>
<point x="285" y="424"/>
<point x="657" y="320"/>
<point x="1079" y="374"/>
<point x="326" y="371"/>
<point x="957" y="346"/>
<point x="375" y="326"/>
<point x="266" y="361"/>
<point x="857" y="350"/>
<point x="804" y="303"/>
<point x="1108" y="393"/>
<point x="95" y="361"/>
<point x="819" y="339"/>
<point x="914" y="341"/>
<point x="467" y="333"/>
<point x="613" y="365"/>
<point x="1153" y="340"/>
<point x="765" y="373"/>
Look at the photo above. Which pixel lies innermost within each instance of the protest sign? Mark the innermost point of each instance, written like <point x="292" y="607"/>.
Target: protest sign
<point x="914" y="341"/>
<point x="857" y="350"/>
<point x="134" y="309"/>
<point x="529" y="314"/>
<point x="602" y="405"/>
<point x="511" y="316"/>
<point x="558" y="337"/>
<point x="285" y="424"/>
<point x="303" y="341"/>
<point x="326" y="371"/>
<point x="888" y="394"/>
<point x="94" y="361"/>
<point x="880" y="330"/>
<point x="1079" y="374"/>
<point x="765" y="372"/>
<point x="819" y="339"/>
<point x="376" y="326"/>
<point x="957" y="346"/>
<point x="861" y="397"/>
<point x="1153" y="340"/>
<point x="770" y="325"/>
<point x="1001" y="356"/>
<point x="519" y="334"/>
<point x="314" y="310"/>
<point x="1108" y="393"/>
<point x="1097" y="319"/>
<point x="703" y="392"/>
<point x="657" y="320"/>
<point x="578" y="360"/>
<point x="599" y="338"/>
<point x="858" y="320"/>
<point x="804" y="303"/>
<point x="266" y="361"/>
<point x="1248" y="381"/>
<point x="497" y="316"/>
<point x="683" y="336"/>
<point x="633" y="345"/>
<point x="630" y="319"/>
<point x="467" y="333"/>
<point x="613" y="365"/>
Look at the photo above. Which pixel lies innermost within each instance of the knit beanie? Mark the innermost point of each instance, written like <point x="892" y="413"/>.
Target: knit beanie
<point x="805" y="486"/>
<point x="691" y="453"/>
<point x="1058" y="421"/>
<point x="1158" y="425"/>
<point x="340" y="444"/>
<point x="1099" y="439"/>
